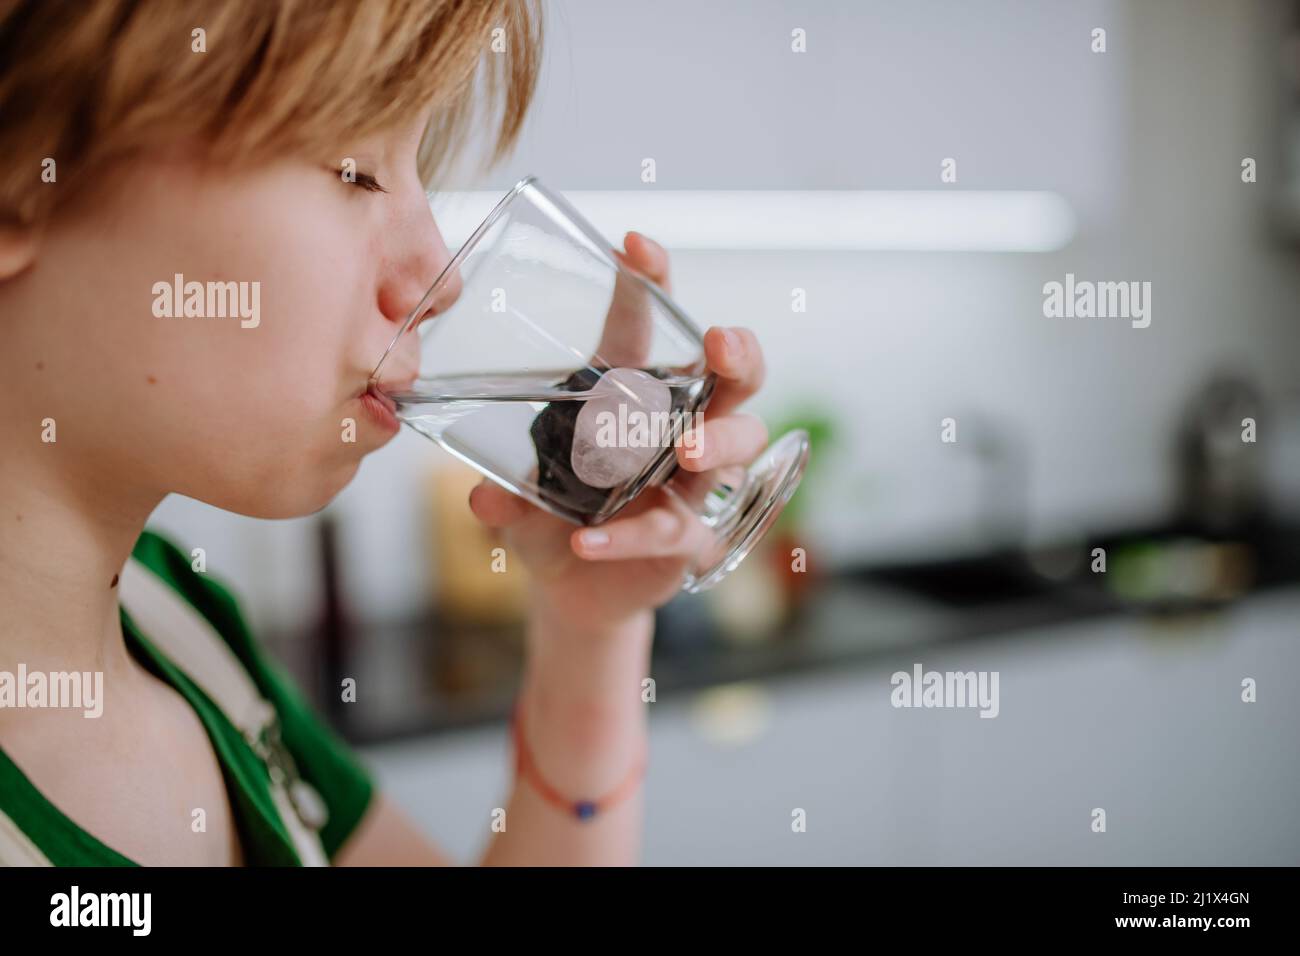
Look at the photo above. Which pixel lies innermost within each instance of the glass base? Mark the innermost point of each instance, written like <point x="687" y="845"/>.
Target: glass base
<point x="739" y="517"/>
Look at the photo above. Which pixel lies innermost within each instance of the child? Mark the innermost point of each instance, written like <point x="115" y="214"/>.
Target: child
<point x="148" y="140"/>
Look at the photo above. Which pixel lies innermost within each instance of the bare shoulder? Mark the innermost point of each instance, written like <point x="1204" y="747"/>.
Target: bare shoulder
<point x="133" y="777"/>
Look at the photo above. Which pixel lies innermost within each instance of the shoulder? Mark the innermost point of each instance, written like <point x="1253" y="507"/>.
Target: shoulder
<point x="324" y="758"/>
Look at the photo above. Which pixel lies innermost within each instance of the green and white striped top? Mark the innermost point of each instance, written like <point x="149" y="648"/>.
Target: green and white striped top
<point x="200" y="645"/>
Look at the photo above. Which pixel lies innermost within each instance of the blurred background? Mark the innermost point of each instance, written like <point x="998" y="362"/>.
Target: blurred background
<point x="1119" y="689"/>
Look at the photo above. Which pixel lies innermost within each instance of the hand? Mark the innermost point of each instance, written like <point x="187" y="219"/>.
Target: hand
<point x="636" y="561"/>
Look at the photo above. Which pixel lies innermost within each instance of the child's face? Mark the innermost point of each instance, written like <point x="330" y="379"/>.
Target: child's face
<point x="253" y="418"/>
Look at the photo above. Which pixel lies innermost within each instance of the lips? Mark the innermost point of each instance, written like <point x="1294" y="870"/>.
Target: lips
<point x="381" y="408"/>
<point x="381" y="394"/>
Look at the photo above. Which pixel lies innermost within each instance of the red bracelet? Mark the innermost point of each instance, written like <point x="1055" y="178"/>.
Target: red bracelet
<point x="582" y="809"/>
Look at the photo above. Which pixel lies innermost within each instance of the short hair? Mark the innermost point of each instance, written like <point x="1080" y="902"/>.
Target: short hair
<point x="85" y="82"/>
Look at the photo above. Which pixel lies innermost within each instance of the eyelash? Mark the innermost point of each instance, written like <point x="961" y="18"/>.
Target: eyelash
<point x="365" y="181"/>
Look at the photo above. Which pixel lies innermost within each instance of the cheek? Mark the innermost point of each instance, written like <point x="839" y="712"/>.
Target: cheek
<point x="245" y="418"/>
<point x="269" y="405"/>
<point x="273" y="401"/>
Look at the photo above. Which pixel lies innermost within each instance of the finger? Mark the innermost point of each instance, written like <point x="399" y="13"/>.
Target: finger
<point x="629" y="325"/>
<point x="647" y="257"/>
<point x="496" y="507"/>
<point x="665" y="531"/>
<point x="737" y="358"/>
<point x="730" y="440"/>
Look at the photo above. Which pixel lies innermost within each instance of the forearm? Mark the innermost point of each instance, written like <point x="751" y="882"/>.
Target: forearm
<point x="584" y="724"/>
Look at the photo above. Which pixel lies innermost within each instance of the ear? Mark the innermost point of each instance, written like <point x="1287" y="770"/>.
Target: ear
<point x="18" y="245"/>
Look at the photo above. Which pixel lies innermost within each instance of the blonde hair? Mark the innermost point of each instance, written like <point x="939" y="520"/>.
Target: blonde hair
<point x="84" y="83"/>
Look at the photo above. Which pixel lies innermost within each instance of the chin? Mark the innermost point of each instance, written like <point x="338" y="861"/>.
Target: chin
<point x="322" y="494"/>
<point x="293" y="496"/>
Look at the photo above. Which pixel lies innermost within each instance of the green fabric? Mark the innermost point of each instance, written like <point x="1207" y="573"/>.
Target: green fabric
<point x="323" y="759"/>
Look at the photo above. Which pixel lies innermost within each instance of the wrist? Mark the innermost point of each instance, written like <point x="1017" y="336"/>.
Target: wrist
<point x="558" y="622"/>
<point x="585" y="680"/>
<point x="586" y="768"/>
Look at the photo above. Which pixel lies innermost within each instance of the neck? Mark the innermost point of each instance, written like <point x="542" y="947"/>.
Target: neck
<point x="64" y="538"/>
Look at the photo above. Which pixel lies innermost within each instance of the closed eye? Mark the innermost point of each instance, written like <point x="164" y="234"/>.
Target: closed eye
<point x="363" y="180"/>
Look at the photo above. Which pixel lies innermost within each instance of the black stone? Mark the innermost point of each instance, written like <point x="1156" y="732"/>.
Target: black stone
<point x="552" y="433"/>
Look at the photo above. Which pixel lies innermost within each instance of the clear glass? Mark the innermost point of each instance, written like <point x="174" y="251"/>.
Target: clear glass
<point x="543" y="361"/>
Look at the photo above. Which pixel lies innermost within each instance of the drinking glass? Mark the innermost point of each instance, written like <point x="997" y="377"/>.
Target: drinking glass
<point x="546" y="363"/>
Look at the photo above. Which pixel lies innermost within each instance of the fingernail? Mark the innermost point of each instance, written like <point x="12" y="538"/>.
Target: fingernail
<point x="732" y="341"/>
<point x="594" y="539"/>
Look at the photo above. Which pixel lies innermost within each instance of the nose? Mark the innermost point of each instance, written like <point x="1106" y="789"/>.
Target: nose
<point x="418" y="256"/>
<point x="421" y="259"/>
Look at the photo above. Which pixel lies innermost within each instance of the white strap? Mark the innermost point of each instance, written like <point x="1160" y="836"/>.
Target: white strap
<point x="15" y="847"/>
<point x="191" y="643"/>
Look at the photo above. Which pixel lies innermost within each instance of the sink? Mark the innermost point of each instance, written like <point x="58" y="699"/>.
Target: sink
<point x="967" y="582"/>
